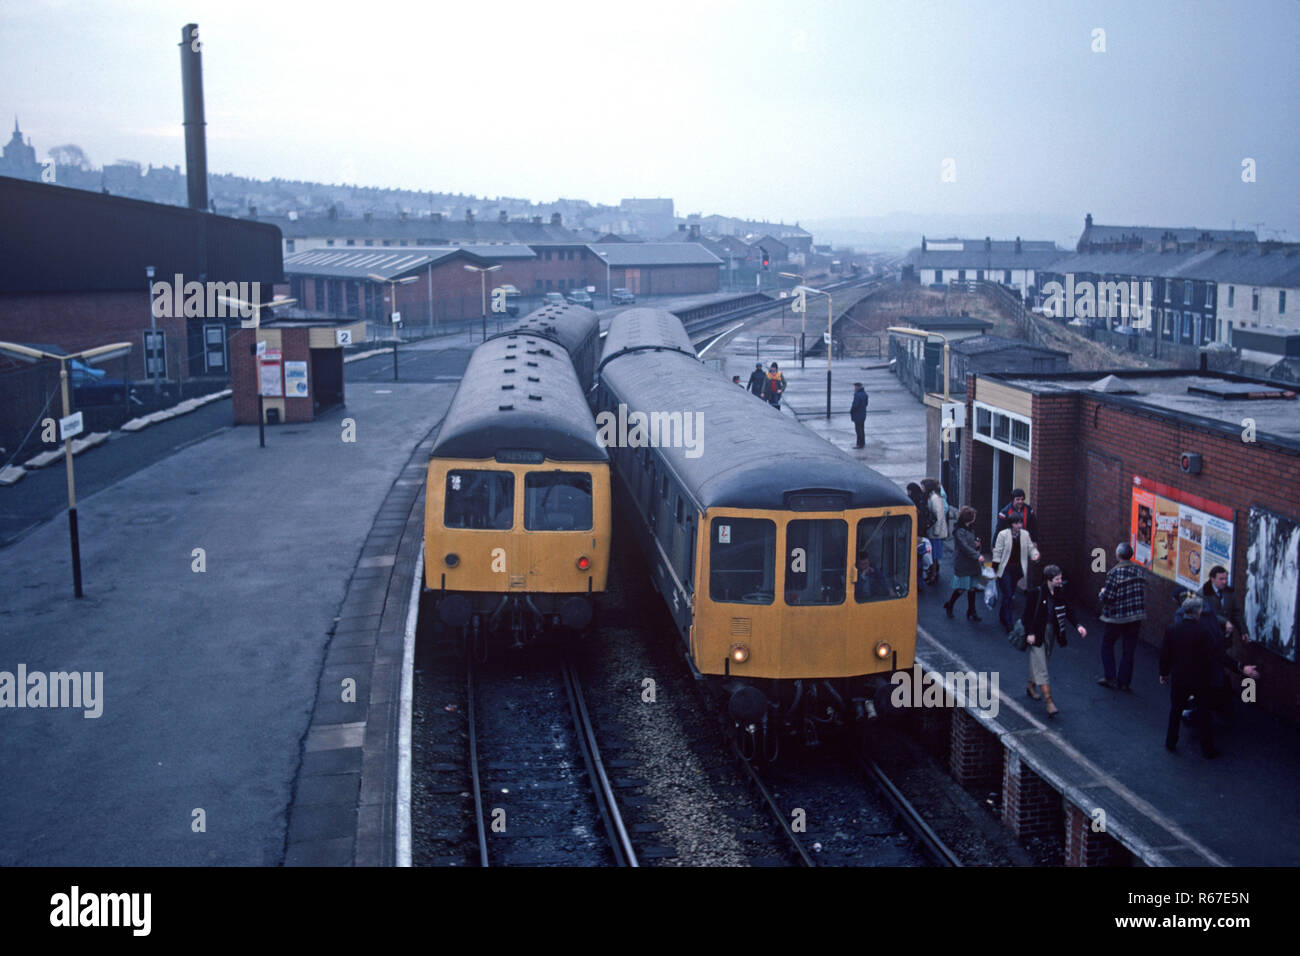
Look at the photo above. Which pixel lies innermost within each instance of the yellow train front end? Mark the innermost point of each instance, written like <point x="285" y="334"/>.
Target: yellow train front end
<point x="805" y="613"/>
<point x="516" y="548"/>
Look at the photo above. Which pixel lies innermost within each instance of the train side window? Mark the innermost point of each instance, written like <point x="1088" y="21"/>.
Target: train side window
<point x="557" y="501"/>
<point x="479" y="499"/>
<point x="679" y="509"/>
<point x="883" y="558"/>
<point x="742" y="560"/>
<point x="816" y="551"/>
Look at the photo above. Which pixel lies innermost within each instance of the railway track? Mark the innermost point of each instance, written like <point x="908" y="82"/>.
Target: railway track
<point x="542" y="795"/>
<point x="699" y="328"/>
<point x="826" y="820"/>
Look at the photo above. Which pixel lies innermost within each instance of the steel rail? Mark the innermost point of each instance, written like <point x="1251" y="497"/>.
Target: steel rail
<point x="930" y="842"/>
<point x="620" y="842"/>
<point x="801" y="853"/>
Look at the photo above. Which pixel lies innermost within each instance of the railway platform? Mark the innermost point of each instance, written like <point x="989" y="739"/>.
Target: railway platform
<point x="238" y="615"/>
<point x="1105" y="751"/>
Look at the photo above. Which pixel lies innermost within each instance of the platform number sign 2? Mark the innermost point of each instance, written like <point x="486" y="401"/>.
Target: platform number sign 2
<point x="342" y="336"/>
<point x="724" y="534"/>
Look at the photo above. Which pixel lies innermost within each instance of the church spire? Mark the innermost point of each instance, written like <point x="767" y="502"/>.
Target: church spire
<point x="16" y="123"/>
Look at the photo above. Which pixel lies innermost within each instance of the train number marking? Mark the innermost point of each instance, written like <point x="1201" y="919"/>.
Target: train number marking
<point x="724" y="534"/>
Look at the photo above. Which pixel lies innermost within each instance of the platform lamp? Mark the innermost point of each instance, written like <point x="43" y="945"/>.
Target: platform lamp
<point x="482" y="274"/>
<point x="100" y="353"/>
<point x="608" y="290"/>
<point x="256" y="308"/>
<point x="803" y="317"/>
<point x="830" y="332"/>
<point x="395" y="315"/>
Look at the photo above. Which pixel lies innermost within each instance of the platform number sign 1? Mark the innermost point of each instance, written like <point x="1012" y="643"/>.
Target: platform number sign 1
<point x="342" y="336"/>
<point x="724" y="534"/>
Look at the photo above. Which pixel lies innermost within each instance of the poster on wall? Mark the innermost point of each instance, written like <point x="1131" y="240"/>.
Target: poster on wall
<point x="1177" y="535"/>
<point x="269" y="374"/>
<point x="1273" y="581"/>
<point x="295" y="379"/>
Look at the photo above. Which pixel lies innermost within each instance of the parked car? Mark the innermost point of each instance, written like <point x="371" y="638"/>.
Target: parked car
<point x="92" y="386"/>
<point x="622" y="297"/>
<point x="553" y="298"/>
<point x="512" y="295"/>
<point x="580" y="297"/>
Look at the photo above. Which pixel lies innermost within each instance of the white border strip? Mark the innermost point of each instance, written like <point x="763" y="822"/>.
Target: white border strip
<point x="404" y="719"/>
<point x="718" y="338"/>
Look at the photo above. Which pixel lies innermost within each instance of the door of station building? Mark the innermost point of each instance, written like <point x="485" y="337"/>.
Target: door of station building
<point x="1004" y="477"/>
<point x="327" y="377"/>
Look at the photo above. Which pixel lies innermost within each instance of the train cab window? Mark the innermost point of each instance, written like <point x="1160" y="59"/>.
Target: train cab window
<point x="742" y="560"/>
<point x="557" y="501"/>
<point x="816" y="552"/>
<point x="480" y="499"/>
<point x="883" y="557"/>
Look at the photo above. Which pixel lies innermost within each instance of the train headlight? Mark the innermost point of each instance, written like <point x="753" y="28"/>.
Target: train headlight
<point x="883" y="650"/>
<point x="584" y="563"/>
<point x="739" y="653"/>
<point x="452" y="560"/>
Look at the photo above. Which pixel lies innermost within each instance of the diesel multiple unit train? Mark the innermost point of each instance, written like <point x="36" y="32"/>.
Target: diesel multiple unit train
<point x="786" y="564"/>
<point x="788" y="567"/>
<point x="517" y="507"/>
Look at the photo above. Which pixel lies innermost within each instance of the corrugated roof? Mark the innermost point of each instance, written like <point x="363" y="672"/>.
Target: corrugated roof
<point x="359" y="263"/>
<point x="655" y="254"/>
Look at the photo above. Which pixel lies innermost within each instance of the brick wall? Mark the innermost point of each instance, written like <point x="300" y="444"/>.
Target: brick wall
<point x="81" y="320"/>
<point x="1078" y="439"/>
<point x="1030" y="807"/>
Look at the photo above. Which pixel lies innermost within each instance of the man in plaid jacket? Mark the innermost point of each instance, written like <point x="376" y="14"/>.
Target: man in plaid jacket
<point x="1123" y="610"/>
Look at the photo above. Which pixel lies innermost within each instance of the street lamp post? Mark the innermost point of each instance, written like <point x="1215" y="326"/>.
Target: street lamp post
<point x="482" y="274"/>
<point x="102" y="352"/>
<point x="392" y="297"/>
<point x="803" y="318"/>
<point x="830" y="330"/>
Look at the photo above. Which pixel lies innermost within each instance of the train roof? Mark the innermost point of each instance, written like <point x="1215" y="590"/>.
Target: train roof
<point x="750" y="454"/>
<point x="564" y="324"/>
<point x="519" y="394"/>
<point x="645" y="329"/>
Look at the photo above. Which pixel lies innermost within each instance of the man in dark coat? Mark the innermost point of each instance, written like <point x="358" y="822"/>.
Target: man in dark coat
<point x="1189" y="657"/>
<point x="859" y="413"/>
<point x="758" y="380"/>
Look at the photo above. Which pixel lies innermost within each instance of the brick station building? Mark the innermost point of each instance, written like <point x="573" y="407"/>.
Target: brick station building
<point x="1195" y="469"/>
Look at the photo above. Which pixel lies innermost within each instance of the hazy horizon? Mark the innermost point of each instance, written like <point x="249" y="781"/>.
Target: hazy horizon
<point x="834" y="112"/>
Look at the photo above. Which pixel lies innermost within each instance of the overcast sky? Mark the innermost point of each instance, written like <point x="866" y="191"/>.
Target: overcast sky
<point x="764" y="109"/>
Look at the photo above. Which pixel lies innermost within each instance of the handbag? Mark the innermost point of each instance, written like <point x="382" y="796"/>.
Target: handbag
<point x="1017" y="636"/>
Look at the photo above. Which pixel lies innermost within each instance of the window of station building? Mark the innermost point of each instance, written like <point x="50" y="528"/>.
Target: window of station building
<point x="742" y="560"/>
<point x="557" y="501"/>
<point x="814" y="561"/>
<point x="352" y="242"/>
<point x="479" y="499"/>
<point x="1002" y="428"/>
<point x="1254" y="300"/>
<point x="371" y="242"/>
<point x="984" y="422"/>
<point x="547" y="255"/>
<point x="1020" y="434"/>
<point x="288" y="245"/>
<point x="1232" y="296"/>
<point x="537" y="284"/>
<point x="886" y="545"/>
<point x="1281" y="301"/>
<point x="329" y="242"/>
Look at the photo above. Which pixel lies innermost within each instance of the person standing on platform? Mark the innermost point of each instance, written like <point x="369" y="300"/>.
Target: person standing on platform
<point x="735" y="380"/>
<point x="966" y="563"/>
<point x="938" y="525"/>
<point x="1190" y="655"/>
<point x="859" y="413"/>
<point x="1122" y="611"/>
<point x="775" y="385"/>
<point x="1048" y="619"/>
<point x="758" y="380"/>
<point x="1012" y="552"/>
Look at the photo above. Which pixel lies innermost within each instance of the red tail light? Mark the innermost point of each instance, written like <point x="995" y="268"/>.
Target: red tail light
<point x="584" y="563"/>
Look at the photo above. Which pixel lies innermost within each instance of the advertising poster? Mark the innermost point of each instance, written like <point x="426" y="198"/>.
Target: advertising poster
<point x="295" y="379"/>
<point x="1179" y="536"/>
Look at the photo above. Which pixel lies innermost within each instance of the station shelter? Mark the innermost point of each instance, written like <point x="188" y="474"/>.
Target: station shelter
<point x="296" y="364"/>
